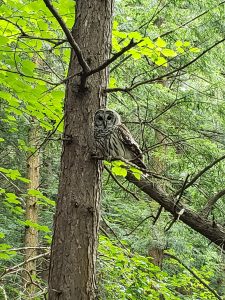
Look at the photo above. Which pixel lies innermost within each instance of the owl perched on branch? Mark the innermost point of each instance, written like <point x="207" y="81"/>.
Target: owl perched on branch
<point x="113" y="139"/>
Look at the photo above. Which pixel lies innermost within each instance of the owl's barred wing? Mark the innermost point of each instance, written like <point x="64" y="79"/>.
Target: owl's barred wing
<point x="128" y="141"/>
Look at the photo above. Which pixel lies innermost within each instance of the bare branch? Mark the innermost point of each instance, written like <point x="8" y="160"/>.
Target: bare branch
<point x="4" y="292"/>
<point x="69" y="36"/>
<point x="192" y="20"/>
<point x="16" y="25"/>
<point x="117" y="181"/>
<point x="12" y="269"/>
<point x="114" y="57"/>
<point x="113" y="232"/>
<point x="56" y="42"/>
<point x="23" y="248"/>
<point x="194" y="274"/>
<point x="197" y="176"/>
<point x="11" y="182"/>
<point x="215" y="234"/>
<point x="182" y="189"/>
<point x="157" y="215"/>
<point x="209" y="205"/>
<point x="139" y="224"/>
<point x="167" y="75"/>
<point x="27" y="76"/>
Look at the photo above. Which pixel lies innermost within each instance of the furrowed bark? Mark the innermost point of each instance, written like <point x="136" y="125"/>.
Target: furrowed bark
<point x="73" y="253"/>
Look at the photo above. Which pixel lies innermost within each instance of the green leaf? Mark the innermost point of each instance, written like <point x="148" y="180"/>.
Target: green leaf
<point x="48" y="239"/>
<point x="195" y="50"/>
<point x="118" y="163"/>
<point x="178" y="44"/>
<point x="36" y="226"/>
<point x="160" y="43"/>
<point x="135" y="35"/>
<point x="2" y="235"/>
<point x="2" y="140"/>
<point x="168" y="52"/>
<point x="137" y="173"/>
<point x="119" y="171"/>
<point x="186" y="44"/>
<point x="28" y="67"/>
<point x="12" y="198"/>
<point x="39" y="195"/>
<point x="161" y="61"/>
<point x="149" y="43"/>
<point x="3" y="40"/>
<point x="180" y="50"/>
<point x="112" y="82"/>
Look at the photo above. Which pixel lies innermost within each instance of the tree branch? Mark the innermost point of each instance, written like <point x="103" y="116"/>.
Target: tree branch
<point x="56" y="42"/>
<point x="209" y="205"/>
<point x="16" y="25"/>
<point x="12" y="269"/>
<point x="114" y="57"/>
<point x="193" y="19"/>
<point x="125" y="189"/>
<point x="69" y="36"/>
<point x="27" y="76"/>
<point x="199" y="174"/>
<point x="139" y="224"/>
<point x="215" y="234"/>
<point x="194" y="274"/>
<point x="167" y="75"/>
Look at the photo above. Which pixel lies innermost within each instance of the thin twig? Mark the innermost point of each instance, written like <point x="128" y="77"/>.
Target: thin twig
<point x="27" y="76"/>
<point x="167" y="75"/>
<point x="117" y="181"/>
<point x="194" y="274"/>
<point x="11" y="182"/>
<point x="12" y="269"/>
<point x="209" y="205"/>
<point x="114" y="57"/>
<point x="199" y="174"/>
<point x="139" y="224"/>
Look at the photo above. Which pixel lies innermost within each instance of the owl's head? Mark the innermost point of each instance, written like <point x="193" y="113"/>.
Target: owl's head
<point x="106" y="118"/>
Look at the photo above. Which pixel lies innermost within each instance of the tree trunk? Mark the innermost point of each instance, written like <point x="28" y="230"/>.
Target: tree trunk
<point x="31" y="234"/>
<point x="73" y="255"/>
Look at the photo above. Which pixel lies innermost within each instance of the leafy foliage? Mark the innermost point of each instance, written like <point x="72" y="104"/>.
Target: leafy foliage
<point x="175" y="113"/>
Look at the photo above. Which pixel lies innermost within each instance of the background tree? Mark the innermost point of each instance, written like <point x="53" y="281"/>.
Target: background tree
<point x="166" y="81"/>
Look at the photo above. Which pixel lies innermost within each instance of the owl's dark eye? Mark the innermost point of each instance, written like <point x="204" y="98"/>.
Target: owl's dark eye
<point x="100" y="118"/>
<point x="109" y="118"/>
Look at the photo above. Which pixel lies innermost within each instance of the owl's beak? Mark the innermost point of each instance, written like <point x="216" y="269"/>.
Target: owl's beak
<point x="104" y="122"/>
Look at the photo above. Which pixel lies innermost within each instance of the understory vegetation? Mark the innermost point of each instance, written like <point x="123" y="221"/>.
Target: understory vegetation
<point x="168" y="87"/>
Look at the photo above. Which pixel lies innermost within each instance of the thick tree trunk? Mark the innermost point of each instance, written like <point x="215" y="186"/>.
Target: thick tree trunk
<point x="72" y="268"/>
<point x="31" y="234"/>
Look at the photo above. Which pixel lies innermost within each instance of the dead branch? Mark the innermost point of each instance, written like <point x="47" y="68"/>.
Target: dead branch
<point x="194" y="274"/>
<point x="14" y="268"/>
<point x="199" y="174"/>
<point x="197" y="222"/>
<point x="212" y="201"/>
<point x="139" y="224"/>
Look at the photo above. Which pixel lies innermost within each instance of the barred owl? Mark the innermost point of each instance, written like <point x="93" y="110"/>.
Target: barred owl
<point x="113" y="139"/>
